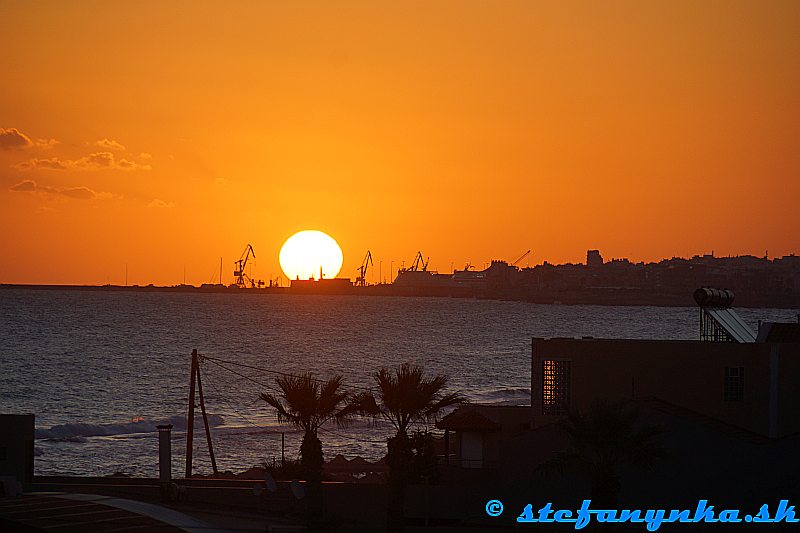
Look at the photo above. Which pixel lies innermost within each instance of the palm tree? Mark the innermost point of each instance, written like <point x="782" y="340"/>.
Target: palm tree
<point x="307" y="403"/>
<point x="602" y="440"/>
<point x="406" y="398"/>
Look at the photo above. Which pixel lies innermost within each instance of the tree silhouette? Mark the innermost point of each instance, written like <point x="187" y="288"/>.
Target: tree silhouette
<point x="600" y="441"/>
<point x="406" y="398"/>
<point x="307" y="403"/>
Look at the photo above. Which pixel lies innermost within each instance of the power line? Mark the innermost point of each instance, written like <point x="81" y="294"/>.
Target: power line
<point x="231" y="407"/>
<point x="219" y="362"/>
<point x="216" y="361"/>
<point x="248" y="378"/>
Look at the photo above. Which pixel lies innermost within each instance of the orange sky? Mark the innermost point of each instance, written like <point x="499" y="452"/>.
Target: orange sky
<point x="181" y="131"/>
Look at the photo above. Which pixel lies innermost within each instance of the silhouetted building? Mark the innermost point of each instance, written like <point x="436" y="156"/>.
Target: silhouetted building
<point x="750" y="385"/>
<point x="321" y="286"/>
<point x="16" y="447"/>
<point x="594" y="259"/>
<point x="475" y="434"/>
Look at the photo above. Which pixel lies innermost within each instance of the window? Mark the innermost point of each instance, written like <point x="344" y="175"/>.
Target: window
<point x="734" y="383"/>
<point x="555" y="387"/>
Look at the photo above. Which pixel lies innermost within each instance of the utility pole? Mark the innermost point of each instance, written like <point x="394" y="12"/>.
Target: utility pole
<point x="205" y="422"/>
<point x="190" y="418"/>
<point x="195" y="378"/>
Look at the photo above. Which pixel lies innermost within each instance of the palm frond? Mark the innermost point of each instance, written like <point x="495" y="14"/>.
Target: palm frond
<point x="407" y="397"/>
<point x="284" y="416"/>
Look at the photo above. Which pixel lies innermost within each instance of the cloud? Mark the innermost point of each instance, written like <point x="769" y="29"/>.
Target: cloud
<point x="53" y="163"/>
<point x="145" y="155"/>
<point x="110" y="144"/>
<point x="46" y="144"/>
<point x="158" y="204"/>
<point x="95" y="161"/>
<point x="78" y="193"/>
<point x="24" y="186"/>
<point x="13" y="139"/>
<point x="220" y="181"/>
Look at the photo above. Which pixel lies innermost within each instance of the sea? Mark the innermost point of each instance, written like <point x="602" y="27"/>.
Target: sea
<point x="100" y="369"/>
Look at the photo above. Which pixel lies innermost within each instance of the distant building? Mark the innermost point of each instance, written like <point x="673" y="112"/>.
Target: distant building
<point x="321" y="286"/>
<point x="594" y="259"/>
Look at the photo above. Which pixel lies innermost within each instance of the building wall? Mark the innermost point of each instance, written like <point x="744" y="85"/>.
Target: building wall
<point x="16" y="446"/>
<point x="690" y="374"/>
<point x="788" y="396"/>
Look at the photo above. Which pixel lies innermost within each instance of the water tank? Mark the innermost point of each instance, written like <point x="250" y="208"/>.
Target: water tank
<point x="717" y="298"/>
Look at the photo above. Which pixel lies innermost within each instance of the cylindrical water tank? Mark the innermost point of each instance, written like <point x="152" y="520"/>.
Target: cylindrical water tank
<point x="708" y="297"/>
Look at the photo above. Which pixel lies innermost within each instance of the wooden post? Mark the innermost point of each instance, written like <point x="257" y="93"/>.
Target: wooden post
<point x="190" y="417"/>
<point x="447" y="446"/>
<point x="205" y="422"/>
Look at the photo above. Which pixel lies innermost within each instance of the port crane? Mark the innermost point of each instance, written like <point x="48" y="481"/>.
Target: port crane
<point x="242" y="279"/>
<point x="523" y="256"/>
<point x="419" y="264"/>
<point x="361" y="280"/>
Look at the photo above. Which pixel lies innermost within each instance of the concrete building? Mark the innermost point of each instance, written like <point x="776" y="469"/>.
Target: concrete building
<point x="16" y="447"/>
<point x="734" y="379"/>
<point x="749" y="385"/>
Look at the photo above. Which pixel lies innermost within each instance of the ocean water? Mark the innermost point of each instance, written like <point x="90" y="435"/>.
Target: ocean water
<point x="101" y="369"/>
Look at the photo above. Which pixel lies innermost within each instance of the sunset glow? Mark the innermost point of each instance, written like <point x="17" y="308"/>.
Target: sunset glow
<point x="472" y="131"/>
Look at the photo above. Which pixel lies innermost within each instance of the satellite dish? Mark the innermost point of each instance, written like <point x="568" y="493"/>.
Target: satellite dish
<point x="297" y="490"/>
<point x="270" y="481"/>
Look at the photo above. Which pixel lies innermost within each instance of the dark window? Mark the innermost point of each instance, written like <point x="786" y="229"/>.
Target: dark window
<point x="3" y="453"/>
<point x="734" y="383"/>
<point x="555" y="387"/>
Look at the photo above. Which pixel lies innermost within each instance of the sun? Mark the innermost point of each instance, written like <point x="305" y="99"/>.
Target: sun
<point x="306" y="252"/>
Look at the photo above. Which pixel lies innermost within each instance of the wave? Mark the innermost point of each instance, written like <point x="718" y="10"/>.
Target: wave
<point x="74" y="431"/>
<point x="503" y="395"/>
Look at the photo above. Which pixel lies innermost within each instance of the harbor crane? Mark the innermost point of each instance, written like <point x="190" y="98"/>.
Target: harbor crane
<point x="361" y="280"/>
<point x="242" y="279"/>
<point x="419" y="264"/>
<point x="523" y="256"/>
